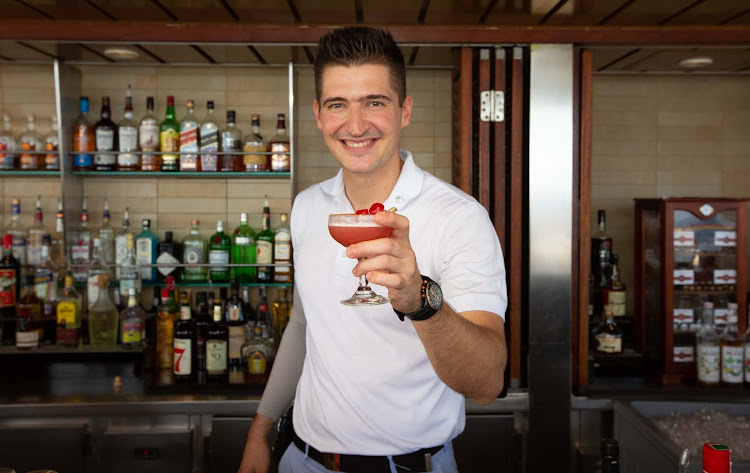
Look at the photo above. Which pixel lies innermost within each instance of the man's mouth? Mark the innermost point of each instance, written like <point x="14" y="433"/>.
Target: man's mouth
<point x="358" y="144"/>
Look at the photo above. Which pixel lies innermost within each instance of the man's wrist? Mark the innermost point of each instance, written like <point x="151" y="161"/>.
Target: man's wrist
<point x="261" y="427"/>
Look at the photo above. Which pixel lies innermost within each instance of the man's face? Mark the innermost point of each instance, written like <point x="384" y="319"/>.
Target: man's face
<point x="360" y="117"/>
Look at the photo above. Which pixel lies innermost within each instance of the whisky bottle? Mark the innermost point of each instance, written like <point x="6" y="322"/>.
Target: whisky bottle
<point x="165" y="319"/>
<point x="58" y="239"/>
<point x="235" y="319"/>
<point x="148" y="139"/>
<point x="264" y="246"/>
<point x="243" y="252"/>
<point x="231" y="142"/>
<point x="615" y="295"/>
<point x="184" y="346"/>
<point x="194" y="253"/>
<point x="29" y="328"/>
<point x="19" y="235"/>
<point x="607" y="335"/>
<point x="51" y="146"/>
<point x="169" y="139"/>
<point x="256" y="159"/>
<point x="84" y="139"/>
<point x="36" y="231"/>
<point x="216" y="349"/>
<point x="708" y="355"/>
<point x="31" y="141"/>
<point x="127" y="133"/>
<point x="209" y="140"/>
<point x="279" y="146"/>
<point x="281" y="310"/>
<point x="132" y="322"/>
<point x="732" y="351"/>
<point x="601" y="262"/>
<point x="106" y="140"/>
<point x="189" y="140"/>
<point x="106" y="236"/>
<point x="219" y="247"/>
<point x="80" y="246"/>
<point x="69" y="315"/>
<point x="202" y="323"/>
<point x="8" y="146"/>
<point x="10" y="290"/>
<point x="257" y="355"/>
<point x="282" y="252"/>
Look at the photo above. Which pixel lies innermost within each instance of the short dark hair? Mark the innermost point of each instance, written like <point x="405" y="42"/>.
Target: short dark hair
<point x="358" y="45"/>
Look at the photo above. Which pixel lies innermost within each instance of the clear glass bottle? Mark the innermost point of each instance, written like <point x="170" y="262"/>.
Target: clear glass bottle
<point x="732" y="351"/>
<point x="219" y="247"/>
<point x="106" y="140"/>
<point x="121" y="241"/>
<point x="257" y="356"/>
<point x="264" y="314"/>
<point x="130" y="275"/>
<point x="36" y="232"/>
<point x="84" y="139"/>
<point x="216" y="348"/>
<point x="234" y="315"/>
<point x="169" y="139"/>
<point x="281" y="310"/>
<point x="106" y="236"/>
<point x="58" y="238"/>
<point x="231" y="141"/>
<point x="708" y="354"/>
<point x="29" y="328"/>
<point x="69" y="315"/>
<point x="51" y="146"/>
<point x="103" y="317"/>
<point x="607" y="335"/>
<point x="97" y="268"/>
<point x="165" y="319"/>
<point x="127" y="133"/>
<point x="146" y="246"/>
<point x="280" y="147"/>
<point x="264" y="246"/>
<point x="189" y="131"/>
<point x="194" y="252"/>
<point x="80" y="246"/>
<point x="169" y="253"/>
<point x="8" y="146"/>
<point x="19" y="235"/>
<point x="132" y="322"/>
<point x="209" y="140"/>
<point x="31" y="141"/>
<point x="184" y="346"/>
<point x="243" y="252"/>
<point x="282" y="252"/>
<point x="148" y="139"/>
<point x="256" y="159"/>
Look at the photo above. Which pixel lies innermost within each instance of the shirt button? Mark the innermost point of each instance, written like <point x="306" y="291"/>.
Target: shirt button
<point x="399" y="199"/>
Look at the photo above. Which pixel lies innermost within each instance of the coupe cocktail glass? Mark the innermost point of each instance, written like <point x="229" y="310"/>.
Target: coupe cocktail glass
<point x="354" y="228"/>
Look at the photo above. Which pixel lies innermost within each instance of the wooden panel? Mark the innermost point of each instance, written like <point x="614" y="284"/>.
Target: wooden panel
<point x="451" y="12"/>
<point x="669" y="59"/>
<point x="462" y="121"/>
<point x="264" y="11"/>
<point x="340" y="12"/>
<point x="712" y="12"/>
<point x="499" y="161"/>
<point x="389" y="12"/>
<point x="197" y="10"/>
<point x="590" y="13"/>
<point x="435" y="56"/>
<point x="132" y="10"/>
<point x="483" y="129"/>
<point x="67" y="10"/>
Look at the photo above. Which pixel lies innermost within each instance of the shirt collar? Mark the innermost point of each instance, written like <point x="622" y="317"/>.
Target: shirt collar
<point x="408" y="186"/>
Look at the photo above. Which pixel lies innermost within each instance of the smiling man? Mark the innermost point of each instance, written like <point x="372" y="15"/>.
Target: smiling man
<point x="382" y="388"/>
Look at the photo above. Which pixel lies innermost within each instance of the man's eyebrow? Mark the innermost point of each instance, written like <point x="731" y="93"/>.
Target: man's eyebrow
<point x="333" y="99"/>
<point x="381" y="97"/>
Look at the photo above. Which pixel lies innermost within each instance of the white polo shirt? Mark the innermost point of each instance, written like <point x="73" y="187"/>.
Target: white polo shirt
<point x="367" y="386"/>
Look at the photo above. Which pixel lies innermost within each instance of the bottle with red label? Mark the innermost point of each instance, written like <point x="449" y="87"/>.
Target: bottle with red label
<point x="29" y="327"/>
<point x="184" y="346"/>
<point x="10" y="289"/>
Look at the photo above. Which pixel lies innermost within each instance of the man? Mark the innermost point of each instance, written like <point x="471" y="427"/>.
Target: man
<point x="382" y="388"/>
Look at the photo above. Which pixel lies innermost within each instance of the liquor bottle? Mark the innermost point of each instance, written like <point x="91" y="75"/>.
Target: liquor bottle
<point x="607" y="335"/>
<point x="69" y="315"/>
<point x="281" y="310"/>
<point x="716" y="458"/>
<point x="51" y="146"/>
<point x="31" y="141"/>
<point x="169" y="139"/>
<point x="732" y="349"/>
<point x="615" y="294"/>
<point x="45" y="285"/>
<point x="209" y="140"/>
<point x="103" y="317"/>
<point x="106" y="236"/>
<point x="57" y="251"/>
<point x="19" y="236"/>
<point x="235" y="318"/>
<point x="130" y="275"/>
<point x="97" y="268"/>
<point x="121" y="241"/>
<point x="264" y="246"/>
<point x="249" y="312"/>
<point x="223" y="299"/>
<point x="29" y="327"/>
<point x="184" y="346"/>
<point x="707" y="349"/>
<point x="279" y="147"/>
<point x="10" y="290"/>
<point x="282" y="252"/>
<point x="219" y="246"/>
<point x="80" y="247"/>
<point x="194" y="253"/>
<point x="84" y="141"/>
<point x="146" y="246"/>
<point x="8" y="146"/>
<point x="610" y="450"/>
<point x="148" y="139"/>
<point x="127" y="133"/>
<point x="231" y="142"/>
<point x="169" y="253"/>
<point x="256" y="159"/>
<point x="601" y="262"/>
<point x="265" y="317"/>
<point x="189" y="131"/>
<point x="243" y="252"/>
<point x="165" y="332"/>
<point x="216" y="349"/>
<point x="257" y="357"/>
<point x="34" y="241"/>
<point x="106" y="140"/>
<point x="202" y="324"/>
<point x="132" y="322"/>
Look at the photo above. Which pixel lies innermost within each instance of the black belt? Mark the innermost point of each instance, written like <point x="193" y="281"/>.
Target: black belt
<point x="419" y="461"/>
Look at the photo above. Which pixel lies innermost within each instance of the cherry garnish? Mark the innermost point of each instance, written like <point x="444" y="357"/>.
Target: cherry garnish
<point x="363" y="212"/>
<point x="376" y="207"/>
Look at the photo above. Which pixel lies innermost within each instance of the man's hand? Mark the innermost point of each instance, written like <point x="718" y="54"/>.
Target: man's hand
<point x="257" y="455"/>
<point x="391" y="262"/>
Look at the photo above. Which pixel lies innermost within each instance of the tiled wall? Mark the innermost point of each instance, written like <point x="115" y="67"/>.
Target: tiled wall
<point x="666" y="136"/>
<point x="172" y="202"/>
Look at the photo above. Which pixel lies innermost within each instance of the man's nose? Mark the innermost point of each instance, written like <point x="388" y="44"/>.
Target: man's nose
<point x="357" y="123"/>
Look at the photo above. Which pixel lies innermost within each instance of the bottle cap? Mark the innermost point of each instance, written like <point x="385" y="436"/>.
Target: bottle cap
<point x="165" y="293"/>
<point x="610" y="447"/>
<point x="195" y="222"/>
<point x="210" y="104"/>
<point x="732" y="305"/>
<point x="168" y="234"/>
<point x="146" y="222"/>
<point x="131" y="291"/>
<point x="190" y="104"/>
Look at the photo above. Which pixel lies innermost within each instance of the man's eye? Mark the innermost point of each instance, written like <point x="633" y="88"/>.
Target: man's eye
<point x="376" y="104"/>
<point x="336" y="105"/>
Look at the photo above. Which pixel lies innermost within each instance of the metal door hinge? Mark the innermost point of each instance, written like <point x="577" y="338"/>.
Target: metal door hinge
<point x="492" y="106"/>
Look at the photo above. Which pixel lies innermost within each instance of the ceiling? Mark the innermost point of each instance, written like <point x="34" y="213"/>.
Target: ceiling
<point x="524" y="13"/>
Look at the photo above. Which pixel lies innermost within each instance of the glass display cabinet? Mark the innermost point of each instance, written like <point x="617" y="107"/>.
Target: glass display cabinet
<point x="688" y="251"/>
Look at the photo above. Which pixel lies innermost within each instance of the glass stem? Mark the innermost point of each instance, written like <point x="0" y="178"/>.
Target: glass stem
<point x="363" y="281"/>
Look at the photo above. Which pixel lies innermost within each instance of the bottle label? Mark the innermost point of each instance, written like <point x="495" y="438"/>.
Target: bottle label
<point x="66" y="314"/>
<point x="230" y="143"/>
<point x="92" y="289"/>
<point x="8" y="287"/>
<point x="747" y="362"/>
<point x="166" y="258"/>
<point x="121" y="251"/>
<point x="236" y="340"/>
<point x="183" y="356"/>
<point x="283" y="251"/>
<point x="708" y="363"/>
<point x="149" y="139"/>
<point x="609" y="344"/>
<point x="256" y="362"/>
<point x="257" y="162"/>
<point x="43" y="285"/>
<point x="189" y="139"/>
<point x="170" y="140"/>
<point x="28" y="161"/>
<point x="209" y="141"/>
<point x="617" y="302"/>
<point x="731" y="364"/>
<point x="143" y="252"/>
<point x="280" y="162"/>
<point x="34" y="249"/>
<point x="241" y="241"/>
<point x="51" y="161"/>
<point x="218" y="257"/>
<point x="128" y="138"/>
<point x="132" y="332"/>
<point x="19" y="248"/>
<point x="263" y="252"/>
<point x="216" y="356"/>
<point x="105" y="141"/>
<point x="27" y="339"/>
<point x="193" y="255"/>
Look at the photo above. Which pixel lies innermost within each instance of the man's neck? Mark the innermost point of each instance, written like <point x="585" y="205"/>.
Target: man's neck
<point x="363" y="190"/>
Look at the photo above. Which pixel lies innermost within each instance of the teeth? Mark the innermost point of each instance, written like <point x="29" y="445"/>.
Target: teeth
<point x="354" y="144"/>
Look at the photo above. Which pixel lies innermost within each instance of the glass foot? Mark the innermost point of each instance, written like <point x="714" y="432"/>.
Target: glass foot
<point x="365" y="297"/>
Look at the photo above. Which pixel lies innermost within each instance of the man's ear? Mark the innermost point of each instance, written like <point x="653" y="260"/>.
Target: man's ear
<point x="316" y="109"/>
<point x="406" y="111"/>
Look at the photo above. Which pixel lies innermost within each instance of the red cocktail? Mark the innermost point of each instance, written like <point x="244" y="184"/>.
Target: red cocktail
<point x="348" y="229"/>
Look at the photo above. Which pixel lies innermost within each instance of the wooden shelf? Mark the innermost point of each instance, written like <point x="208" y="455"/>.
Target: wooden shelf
<point x="165" y="174"/>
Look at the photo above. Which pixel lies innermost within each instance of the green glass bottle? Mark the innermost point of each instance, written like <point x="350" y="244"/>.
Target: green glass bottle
<point x="169" y="138"/>
<point x="243" y="251"/>
<point x="219" y="247"/>
<point x="264" y="246"/>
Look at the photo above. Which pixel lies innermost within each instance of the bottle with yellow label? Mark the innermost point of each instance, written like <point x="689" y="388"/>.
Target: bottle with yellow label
<point x="169" y="139"/>
<point x="608" y="336"/>
<point x="132" y="322"/>
<point x="165" y="331"/>
<point x="69" y="315"/>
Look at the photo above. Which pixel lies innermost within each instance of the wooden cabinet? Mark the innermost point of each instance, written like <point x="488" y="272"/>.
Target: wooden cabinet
<point x="688" y="251"/>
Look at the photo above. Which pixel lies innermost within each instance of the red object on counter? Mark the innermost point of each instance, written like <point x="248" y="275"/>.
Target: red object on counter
<point x="716" y="458"/>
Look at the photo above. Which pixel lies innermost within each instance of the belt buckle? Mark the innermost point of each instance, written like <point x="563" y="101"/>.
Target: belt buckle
<point x="332" y="461"/>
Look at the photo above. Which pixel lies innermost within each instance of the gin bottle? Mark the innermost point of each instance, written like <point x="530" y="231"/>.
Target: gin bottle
<point x="8" y="146"/>
<point x="106" y="236"/>
<point x="243" y="251"/>
<point x="127" y="133"/>
<point x="231" y="142"/>
<point x="279" y="147"/>
<point x="732" y="351"/>
<point x="132" y="322"/>
<point x="51" y="145"/>
<point x="189" y="131"/>
<point x="255" y="159"/>
<point x="36" y="232"/>
<point x="708" y="356"/>
<point x="264" y="246"/>
<point x="31" y="141"/>
<point x="169" y="254"/>
<point x="14" y="229"/>
<point x="80" y="247"/>
<point x="130" y="276"/>
<point x="194" y="253"/>
<point x="148" y="139"/>
<point x="106" y="140"/>
<point x="282" y="251"/>
<point x="98" y="268"/>
<point x="209" y="140"/>
<point x="219" y="246"/>
<point x="121" y="241"/>
<point x="146" y="246"/>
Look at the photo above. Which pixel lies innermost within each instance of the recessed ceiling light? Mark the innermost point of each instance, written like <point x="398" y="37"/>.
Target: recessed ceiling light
<point x="696" y="62"/>
<point x="121" y="53"/>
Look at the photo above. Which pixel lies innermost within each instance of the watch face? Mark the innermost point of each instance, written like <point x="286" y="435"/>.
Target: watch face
<point x="434" y="295"/>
